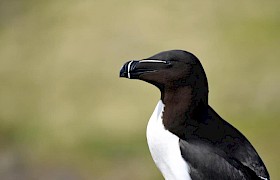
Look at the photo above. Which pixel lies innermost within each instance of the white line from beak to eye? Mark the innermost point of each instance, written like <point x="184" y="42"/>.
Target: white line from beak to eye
<point x="152" y="60"/>
<point x="128" y="69"/>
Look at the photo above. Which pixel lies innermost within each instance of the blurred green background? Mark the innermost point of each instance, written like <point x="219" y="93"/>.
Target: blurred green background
<point x="65" y="113"/>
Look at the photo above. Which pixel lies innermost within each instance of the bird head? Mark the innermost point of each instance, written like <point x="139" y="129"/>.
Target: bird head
<point x="167" y="70"/>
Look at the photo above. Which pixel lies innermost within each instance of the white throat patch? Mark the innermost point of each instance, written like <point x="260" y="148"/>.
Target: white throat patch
<point x="165" y="149"/>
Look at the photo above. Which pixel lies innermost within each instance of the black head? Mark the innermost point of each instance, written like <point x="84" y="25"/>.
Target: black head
<point x="168" y="70"/>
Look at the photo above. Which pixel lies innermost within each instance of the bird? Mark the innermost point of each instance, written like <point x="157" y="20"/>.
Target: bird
<point x="187" y="139"/>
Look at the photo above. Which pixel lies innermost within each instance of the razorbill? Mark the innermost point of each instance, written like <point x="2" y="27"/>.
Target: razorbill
<point x="186" y="137"/>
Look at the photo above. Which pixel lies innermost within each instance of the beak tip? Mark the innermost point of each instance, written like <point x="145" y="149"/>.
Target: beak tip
<point x="123" y="72"/>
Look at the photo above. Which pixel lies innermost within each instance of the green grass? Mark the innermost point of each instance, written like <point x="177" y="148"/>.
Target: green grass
<point x="65" y="113"/>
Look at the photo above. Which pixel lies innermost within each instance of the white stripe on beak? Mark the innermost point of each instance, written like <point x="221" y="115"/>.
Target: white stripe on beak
<point x="128" y="69"/>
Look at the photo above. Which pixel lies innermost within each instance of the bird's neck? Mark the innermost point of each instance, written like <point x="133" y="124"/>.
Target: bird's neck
<point x="183" y="106"/>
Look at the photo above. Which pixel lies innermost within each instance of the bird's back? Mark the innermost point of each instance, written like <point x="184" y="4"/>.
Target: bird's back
<point x="224" y="150"/>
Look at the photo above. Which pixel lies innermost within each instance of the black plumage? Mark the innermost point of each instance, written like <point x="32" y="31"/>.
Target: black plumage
<point x="212" y="147"/>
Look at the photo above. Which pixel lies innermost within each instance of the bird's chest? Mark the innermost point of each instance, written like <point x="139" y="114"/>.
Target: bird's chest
<point x="164" y="148"/>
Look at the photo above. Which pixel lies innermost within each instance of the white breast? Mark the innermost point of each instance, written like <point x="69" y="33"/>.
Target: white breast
<point x="164" y="147"/>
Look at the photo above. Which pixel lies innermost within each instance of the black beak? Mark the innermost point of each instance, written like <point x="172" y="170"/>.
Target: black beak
<point x="133" y="69"/>
<point x="123" y="72"/>
<point x="127" y="68"/>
